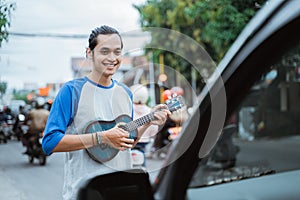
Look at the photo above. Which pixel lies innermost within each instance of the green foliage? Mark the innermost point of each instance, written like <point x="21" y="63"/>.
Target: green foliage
<point x="3" y="86"/>
<point x="222" y="21"/>
<point x="21" y="95"/>
<point x="5" y="19"/>
<point x="214" y="24"/>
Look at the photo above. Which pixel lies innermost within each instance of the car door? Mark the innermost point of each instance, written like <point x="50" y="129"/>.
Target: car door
<point x="272" y="33"/>
<point x="269" y="36"/>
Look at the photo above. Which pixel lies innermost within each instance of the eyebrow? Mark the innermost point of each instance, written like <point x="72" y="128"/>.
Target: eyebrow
<point x="106" y="48"/>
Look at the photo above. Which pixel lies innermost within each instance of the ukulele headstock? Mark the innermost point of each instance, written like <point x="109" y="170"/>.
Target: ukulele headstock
<point x="175" y="103"/>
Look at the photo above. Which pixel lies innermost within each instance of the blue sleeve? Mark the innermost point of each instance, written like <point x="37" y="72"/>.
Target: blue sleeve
<point x="61" y="115"/>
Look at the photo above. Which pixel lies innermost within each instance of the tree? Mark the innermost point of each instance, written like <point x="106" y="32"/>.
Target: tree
<point x="214" y="24"/>
<point x="222" y="21"/>
<point x="3" y="86"/>
<point x="5" y="19"/>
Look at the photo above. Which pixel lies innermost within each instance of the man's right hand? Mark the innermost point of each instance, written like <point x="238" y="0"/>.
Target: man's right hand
<point x="117" y="138"/>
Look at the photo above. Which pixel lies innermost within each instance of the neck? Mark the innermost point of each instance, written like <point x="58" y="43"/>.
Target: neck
<point x="101" y="80"/>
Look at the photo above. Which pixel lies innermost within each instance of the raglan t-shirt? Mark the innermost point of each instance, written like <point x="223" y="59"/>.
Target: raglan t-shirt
<point x="78" y="103"/>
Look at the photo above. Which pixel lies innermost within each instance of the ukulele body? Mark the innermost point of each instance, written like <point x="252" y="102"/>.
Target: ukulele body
<point x="102" y="153"/>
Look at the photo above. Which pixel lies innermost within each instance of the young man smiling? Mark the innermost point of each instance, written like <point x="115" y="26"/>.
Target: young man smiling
<point x="94" y="97"/>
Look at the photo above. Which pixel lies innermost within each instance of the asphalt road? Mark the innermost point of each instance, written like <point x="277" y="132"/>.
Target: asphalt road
<point x="20" y="180"/>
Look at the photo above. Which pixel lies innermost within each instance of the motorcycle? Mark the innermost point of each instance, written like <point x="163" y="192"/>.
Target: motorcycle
<point x="6" y="129"/>
<point x="6" y="124"/>
<point x="3" y="136"/>
<point x="34" y="147"/>
<point x="223" y="155"/>
<point x="138" y="156"/>
<point x="18" y="128"/>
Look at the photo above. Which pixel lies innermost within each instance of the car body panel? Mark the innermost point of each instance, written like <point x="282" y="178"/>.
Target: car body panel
<point x="282" y="186"/>
<point x="239" y="71"/>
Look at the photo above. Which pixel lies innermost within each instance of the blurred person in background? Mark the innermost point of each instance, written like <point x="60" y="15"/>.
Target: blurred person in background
<point x="171" y="128"/>
<point x="36" y="121"/>
<point x="140" y="97"/>
<point x="3" y="115"/>
<point x="19" y="118"/>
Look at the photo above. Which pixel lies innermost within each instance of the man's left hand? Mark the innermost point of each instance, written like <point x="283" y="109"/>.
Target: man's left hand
<point x="161" y="114"/>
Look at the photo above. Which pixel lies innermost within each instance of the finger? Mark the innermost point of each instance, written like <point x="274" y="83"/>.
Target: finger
<point x="160" y="119"/>
<point x="161" y="107"/>
<point x="128" y="141"/>
<point x="167" y="111"/>
<point x="125" y="145"/>
<point x="157" y="117"/>
<point x="160" y="115"/>
<point x="125" y="133"/>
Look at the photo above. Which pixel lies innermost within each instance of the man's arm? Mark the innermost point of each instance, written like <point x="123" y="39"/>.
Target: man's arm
<point x="115" y="137"/>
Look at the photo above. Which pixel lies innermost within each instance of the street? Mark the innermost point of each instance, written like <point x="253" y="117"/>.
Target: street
<point x="20" y="180"/>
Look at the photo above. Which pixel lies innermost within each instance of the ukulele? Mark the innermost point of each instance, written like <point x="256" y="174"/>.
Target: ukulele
<point x="104" y="152"/>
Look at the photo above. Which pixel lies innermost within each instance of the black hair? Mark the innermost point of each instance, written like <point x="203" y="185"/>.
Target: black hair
<point x="105" y="30"/>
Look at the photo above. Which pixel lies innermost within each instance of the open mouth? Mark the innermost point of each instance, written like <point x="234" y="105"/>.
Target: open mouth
<point x="110" y="64"/>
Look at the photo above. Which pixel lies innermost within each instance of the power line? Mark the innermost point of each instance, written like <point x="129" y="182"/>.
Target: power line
<point x="49" y="35"/>
<point x="71" y="36"/>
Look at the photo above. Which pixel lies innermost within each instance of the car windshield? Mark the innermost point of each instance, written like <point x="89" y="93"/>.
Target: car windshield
<point x="262" y="135"/>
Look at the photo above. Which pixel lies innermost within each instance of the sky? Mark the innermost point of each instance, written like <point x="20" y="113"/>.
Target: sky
<point x="48" y="60"/>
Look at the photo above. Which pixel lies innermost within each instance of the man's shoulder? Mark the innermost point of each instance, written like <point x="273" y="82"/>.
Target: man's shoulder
<point x="76" y="82"/>
<point x="119" y="83"/>
<point x="125" y="87"/>
<point x="74" y="85"/>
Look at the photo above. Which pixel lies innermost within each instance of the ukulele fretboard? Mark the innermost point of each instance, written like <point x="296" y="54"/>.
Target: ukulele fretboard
<point x="133" y="125"/>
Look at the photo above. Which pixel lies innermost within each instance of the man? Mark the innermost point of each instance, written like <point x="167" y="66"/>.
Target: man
<point x="36" y="120"/>
<point x="94" y="97"/>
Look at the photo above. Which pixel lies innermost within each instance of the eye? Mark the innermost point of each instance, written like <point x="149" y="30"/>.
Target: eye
<point x="118" y="52"/>
<point x="104" y="52"/>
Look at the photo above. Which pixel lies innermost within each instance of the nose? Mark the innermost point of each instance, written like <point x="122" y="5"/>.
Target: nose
<point x="112" y="56"/>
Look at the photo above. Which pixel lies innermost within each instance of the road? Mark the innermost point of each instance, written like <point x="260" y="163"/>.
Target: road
<point x="20" y="180"/>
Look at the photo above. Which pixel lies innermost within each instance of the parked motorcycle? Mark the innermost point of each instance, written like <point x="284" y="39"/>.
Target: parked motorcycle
<point x="223" y="155"/>
<point x="6" y="129"/>
<point x="138" y="158"/>
<point x="3" y="136"/>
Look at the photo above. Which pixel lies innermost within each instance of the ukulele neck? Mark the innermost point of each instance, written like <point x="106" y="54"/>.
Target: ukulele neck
<point x="133" y="125"/>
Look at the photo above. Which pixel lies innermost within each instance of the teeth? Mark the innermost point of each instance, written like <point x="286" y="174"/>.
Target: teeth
<point x="110" y="64"/>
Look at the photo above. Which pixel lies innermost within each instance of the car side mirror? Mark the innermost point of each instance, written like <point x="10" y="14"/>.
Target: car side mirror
<point x="132" y="184"/>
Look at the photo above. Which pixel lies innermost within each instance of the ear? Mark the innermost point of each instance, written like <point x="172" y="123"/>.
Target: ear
<point x="89" y="53"/>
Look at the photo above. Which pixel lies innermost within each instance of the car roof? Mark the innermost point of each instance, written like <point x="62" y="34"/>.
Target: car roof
<point x="237" y="72"/>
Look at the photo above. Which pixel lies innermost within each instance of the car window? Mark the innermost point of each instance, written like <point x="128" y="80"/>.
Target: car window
<point x="263" y="134"/>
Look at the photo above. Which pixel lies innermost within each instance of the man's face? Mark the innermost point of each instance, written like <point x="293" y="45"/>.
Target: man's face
<point x="106" y="55"/>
